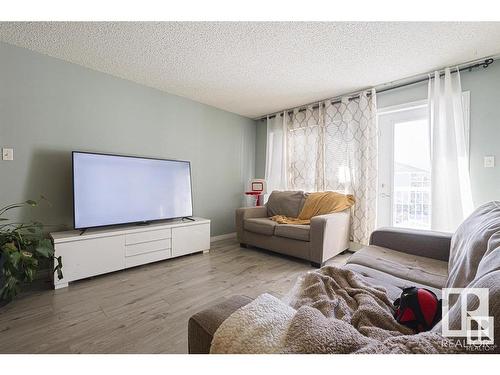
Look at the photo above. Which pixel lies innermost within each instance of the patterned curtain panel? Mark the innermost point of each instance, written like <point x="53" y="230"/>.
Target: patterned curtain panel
<point x="351" y="158"/>
<point x="305" y="149"/>
<point x="334" y="147"/>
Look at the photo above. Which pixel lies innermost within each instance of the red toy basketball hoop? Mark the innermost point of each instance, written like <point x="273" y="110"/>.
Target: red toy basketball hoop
<point x="257" y="195"/>
<point x="257" y="190"/>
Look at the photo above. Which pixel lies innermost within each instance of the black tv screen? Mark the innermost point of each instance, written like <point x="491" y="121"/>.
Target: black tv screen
<point x="114" y="189"/>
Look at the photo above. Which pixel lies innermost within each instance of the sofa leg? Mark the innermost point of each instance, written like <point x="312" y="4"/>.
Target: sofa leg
<point x="316" y="265"/>
<point x="244" y="245"/>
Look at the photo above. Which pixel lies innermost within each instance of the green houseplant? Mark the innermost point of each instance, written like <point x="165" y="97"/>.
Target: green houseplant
<point x="22" y="247"/>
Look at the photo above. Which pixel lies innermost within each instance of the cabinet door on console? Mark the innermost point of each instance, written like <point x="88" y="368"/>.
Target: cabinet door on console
<point x="190" y="239"/>
<point x="86" y="258"/>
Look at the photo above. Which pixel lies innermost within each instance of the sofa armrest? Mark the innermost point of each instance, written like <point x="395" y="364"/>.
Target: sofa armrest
<point x="202" y="325"/>
<point x="247" y="213"/>
<point x="426" y="243"/>
<point x="329" y="235"/>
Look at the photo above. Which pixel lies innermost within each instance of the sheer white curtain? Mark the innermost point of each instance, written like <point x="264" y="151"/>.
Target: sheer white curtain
<point x="329" y="147"/>
<point x="276" y="154"/>
<point x="451" y="189"/>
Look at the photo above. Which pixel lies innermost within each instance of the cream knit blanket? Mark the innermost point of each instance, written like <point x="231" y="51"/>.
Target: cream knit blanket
<point x="331" y="310"/>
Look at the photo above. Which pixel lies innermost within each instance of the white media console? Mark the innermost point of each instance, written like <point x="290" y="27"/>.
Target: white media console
<point x="103" y="250"/>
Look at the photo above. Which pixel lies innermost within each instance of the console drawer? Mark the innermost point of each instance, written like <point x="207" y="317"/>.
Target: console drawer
<point x="152" y="235"/>
<point x="147" y="247"/>
<point x="137" y="260"/>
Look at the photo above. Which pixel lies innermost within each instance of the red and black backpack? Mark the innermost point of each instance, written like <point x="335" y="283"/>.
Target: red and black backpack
<point x="418" y="309"/>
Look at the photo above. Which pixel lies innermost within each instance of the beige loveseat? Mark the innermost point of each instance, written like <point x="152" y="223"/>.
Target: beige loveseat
<point x="325" y="237"/>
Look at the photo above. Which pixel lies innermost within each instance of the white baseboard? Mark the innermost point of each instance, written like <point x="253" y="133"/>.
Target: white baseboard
<point x="226" y="236"/>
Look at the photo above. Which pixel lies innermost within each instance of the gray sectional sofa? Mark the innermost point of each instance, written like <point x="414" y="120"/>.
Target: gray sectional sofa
<point x="325" y="237"/>
<point x="399" y="258"/>
<point x="396" y="258"/>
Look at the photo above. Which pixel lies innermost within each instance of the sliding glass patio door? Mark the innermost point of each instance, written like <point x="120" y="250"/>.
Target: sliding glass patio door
<point x="404" y="186"/>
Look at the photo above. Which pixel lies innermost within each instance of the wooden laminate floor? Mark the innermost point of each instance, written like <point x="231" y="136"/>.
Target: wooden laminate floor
<point x="144" y="309"/>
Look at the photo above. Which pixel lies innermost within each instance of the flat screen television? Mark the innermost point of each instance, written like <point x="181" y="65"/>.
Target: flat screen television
<point x="115" y="189"/>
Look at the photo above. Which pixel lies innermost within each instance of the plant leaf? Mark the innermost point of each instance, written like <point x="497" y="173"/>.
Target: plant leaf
<point x="10" y="207"/>
<point x="15" y="257"/>
<point x="10" y="247"/>
<point x="44" y="248"/>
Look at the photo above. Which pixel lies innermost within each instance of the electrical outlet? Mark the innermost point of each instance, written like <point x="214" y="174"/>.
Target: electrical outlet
<point x="489" y="161"/>
<point x="7" y="154"/>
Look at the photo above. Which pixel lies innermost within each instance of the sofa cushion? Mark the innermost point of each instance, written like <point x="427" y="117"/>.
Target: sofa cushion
<point x="295" y="232"/>
<point x="392" y="284"/>
<point x="260" y="225"/>
<point x="422" y="270"/>
<point x="424" y="243"/>
<point x="202" y="326"/>
<point x="287" y="203"/>
<point x="487" y="277"/>
<point x="470" y="242"/>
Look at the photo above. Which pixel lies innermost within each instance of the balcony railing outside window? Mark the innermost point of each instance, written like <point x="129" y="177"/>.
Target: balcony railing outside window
<point x="412" y="199"/>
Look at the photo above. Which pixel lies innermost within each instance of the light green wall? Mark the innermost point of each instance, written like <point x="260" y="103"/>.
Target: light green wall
<point x="49" y="107"/>
<point x="484" y="87"/>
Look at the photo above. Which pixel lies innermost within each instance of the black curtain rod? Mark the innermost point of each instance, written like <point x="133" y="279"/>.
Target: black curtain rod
<point x="484" y="64"/>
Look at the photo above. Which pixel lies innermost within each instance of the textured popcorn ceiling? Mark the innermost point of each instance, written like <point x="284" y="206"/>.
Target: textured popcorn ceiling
<point x="254" y="68"/>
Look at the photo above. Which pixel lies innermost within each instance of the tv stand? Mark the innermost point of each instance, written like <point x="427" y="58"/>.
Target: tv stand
<point x="188" y="218"/>
<point x="101" y="250"/>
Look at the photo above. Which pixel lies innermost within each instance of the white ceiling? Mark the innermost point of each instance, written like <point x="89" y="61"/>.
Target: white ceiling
<point x="255" y="68"/>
